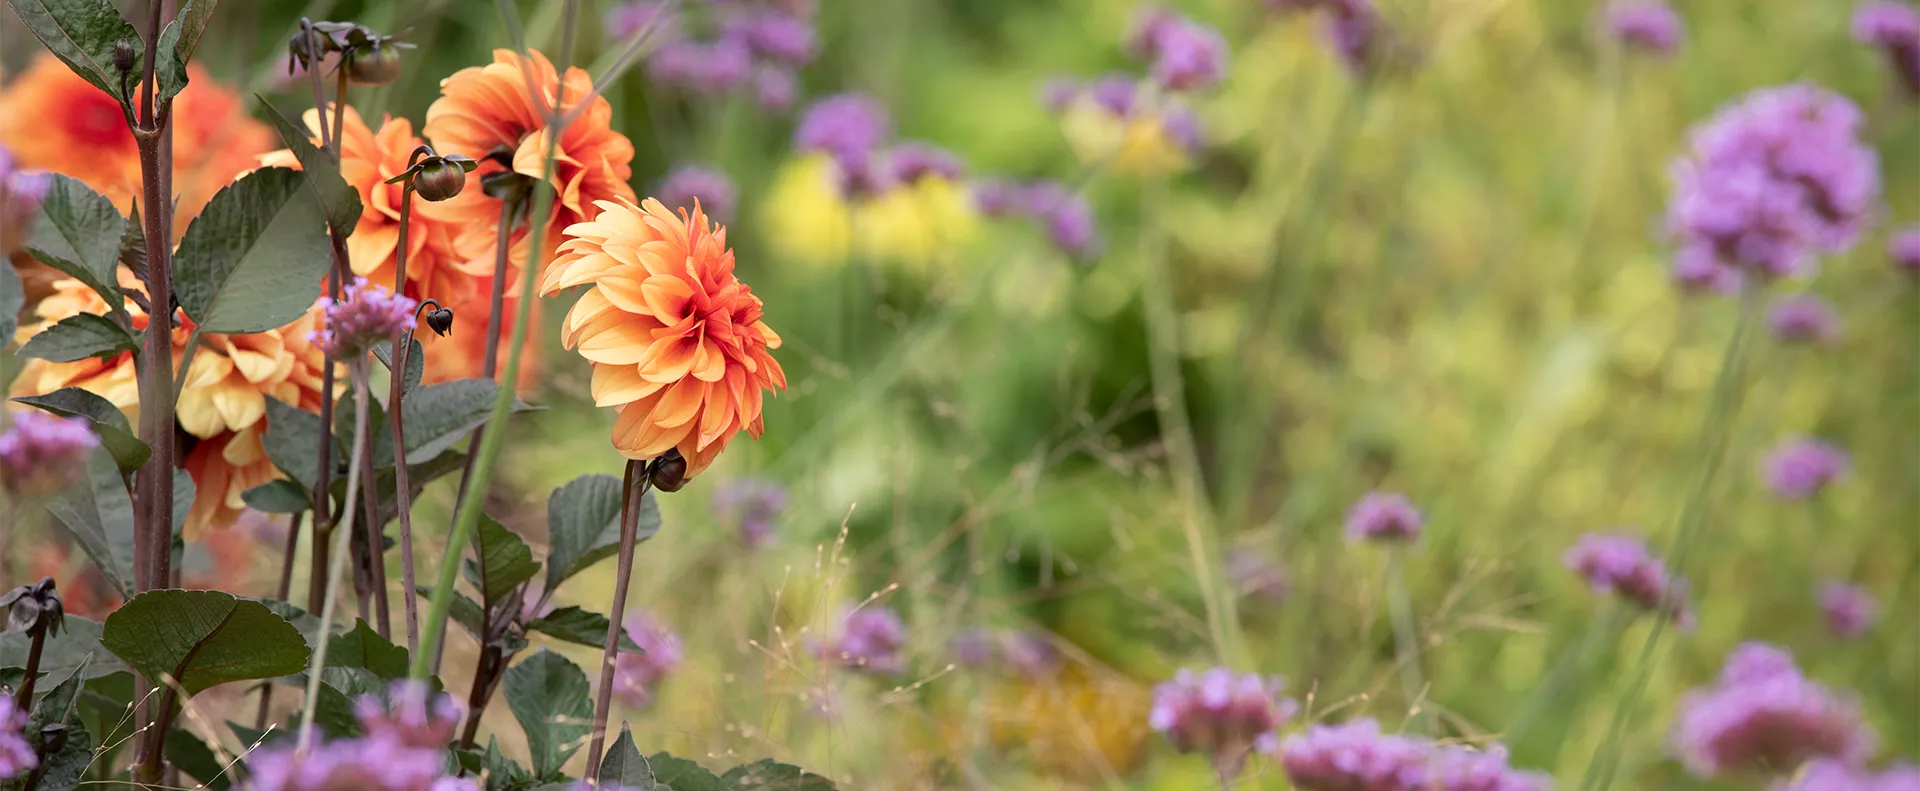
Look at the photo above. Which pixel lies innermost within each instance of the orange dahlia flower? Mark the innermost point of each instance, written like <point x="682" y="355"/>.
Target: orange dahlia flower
<point x="462" y="353"/>
<point x="54" y="120"/>
<point x="486" y="112"/>
<point x="675" y="340"/>
<point x="223" y="404"/>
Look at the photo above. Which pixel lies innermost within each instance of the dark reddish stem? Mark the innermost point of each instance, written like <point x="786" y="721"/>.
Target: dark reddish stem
<point x="280" y="592"/>
<point x="634" y="494"/>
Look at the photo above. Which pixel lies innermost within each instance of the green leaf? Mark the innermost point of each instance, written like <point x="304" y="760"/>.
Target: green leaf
<point x="59" y="708"/>
<point x="464" y="611"/>
<point x="437" y="416"/>
<point x="770" y="775"/>
<point x="306" y="622"/>
<point x="365" y="649"/>
<point x="683" y="775"/>
<point x="279" y="496"/>
<point x="338" y="198"/>
<point x="13" y="297"/>
<point x="583" y="525"/>
<point x="507" y="561"/>
<point x="177" y="42"/>
<point x="577" y="625"/>
<point x="623" y="764"/>
<point x="203" y="638"/>
<point x="98" y="513"/>
<point x="339" y="687"/>
<point x="253" y="259"/>
<point x="79" y="337"/>
<point x="292" y="441"/>
<point x="81" y="33"/>
<point x="380" y="436"/>
<point x="78" y="231"/>
<point x="71" y="649"/>
<point x="133" y="244"/>
<point x="197" y="758"/>
<point x="548" y="695"/>
<point x="501" y="771"/>
<point x="109" y="423"/>
<point x="416" y="361"/>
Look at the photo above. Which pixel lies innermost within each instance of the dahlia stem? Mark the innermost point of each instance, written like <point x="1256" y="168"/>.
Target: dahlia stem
<point x="356" y="371"/>
<point x="376" y="539"/>
<point x="633" y="494"/>
<point x="1406" y="638"/>
<point x="398" y="351"/>
<point x="280" y="592"/>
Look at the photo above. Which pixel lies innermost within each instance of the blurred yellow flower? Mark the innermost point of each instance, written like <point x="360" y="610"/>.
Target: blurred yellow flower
<point x="911" y="226"/>
<point x="1142" y="143"/>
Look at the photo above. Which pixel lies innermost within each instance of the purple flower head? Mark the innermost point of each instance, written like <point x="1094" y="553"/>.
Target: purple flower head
<point x="869" y="640"/>
<point x="1801" y="468"/>
<point x="1848" y="608"/>
<point x="1458" y="769"/>
<point x="1115" y="93"/>
<point x="1649" y="25"/>
<point x="848" y="126"/>
<point x="43" y="453"/>
<point x="16" y="755"/>
<point x="1894" y="27"/>
<point x="1058" y="93"/>
<point x="1257" y="576"/>
<point x="688" y="184"/>
<point x="716" y="67"/>
<point x="1069" y="223"/>
<point x="1698" y="271"/>
<point x="412" y="715"/>
<point x="366" y="314"/>
<point x="636" y="675"/>
<point x="975" y="647"/>
<point x="1803" y="318"/>
<point x="1191" y="57"/>
<point x="1623" y="566"/>
<point x="1763" y="715"/>
<point x="752" y="504"/>
<point x="20" y="196"/>
<point x="1830" y="775"/>
<point x="1224" y="716"/>
<point x="774" y="88"/>
<point x="1353" y="29"/>
<point x="1382" y="516"/>
<point x="1148" y="33"/>
<point x="998" y="197"/>
<point x="1184" y="127"/>
<point x="1774" y="180"/>
<point x="1903" y="248"/>
<point x="376" y="762"/>
<point x="913" y="161"/>
<point x="779" y="37"/>
<point x="1031" y="654"/>
<point x="676" y="62"/>
<point x="626" y="20"/>
<point x="1353" y="756"/>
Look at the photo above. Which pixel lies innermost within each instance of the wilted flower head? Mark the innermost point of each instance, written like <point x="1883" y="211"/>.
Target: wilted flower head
<point x="868" y="639"/>
<point x="1800" y="468"/>
<point x="675" y="339"/>
<point x="1894" y="27"/>
<point x="1623" y="566"/>
<point x="20" y="195"/>
<point x="412" y="715"/>
<point x="1649" y="25"/>
<point x="1830" y="775"/>
<point x="689" y="183"/>
<point x="1383" y="516"/>
<point x="1353" y="756"/>
<point x="1803" y="318"/>
<point x="365" y="315"/>
<point x="1774" y="180"/>
<point x="1217" y="713"/>
<point x="636" y="675"/>
<point x="42" y="453"/>
<point x="16" y="755"/>
<point x="1904" y="249"/>
<point x="753" y="505"/>
<point x="1849" y="610"/>
<point x="1763" y="715"/>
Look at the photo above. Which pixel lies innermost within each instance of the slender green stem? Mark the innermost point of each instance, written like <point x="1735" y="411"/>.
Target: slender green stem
<point x="357" y="371"/>
<point x="1406" y="638"/>
<point x="1570" y="663"/>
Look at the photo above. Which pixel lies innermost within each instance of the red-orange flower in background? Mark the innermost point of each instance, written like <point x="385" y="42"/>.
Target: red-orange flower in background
<point x="488" y="113"/>
<point x="675" y="340"/>
<point x="462" y="353"/>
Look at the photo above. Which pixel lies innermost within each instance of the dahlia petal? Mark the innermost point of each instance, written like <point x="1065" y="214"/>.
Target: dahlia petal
<point x="240" y="406"/>
<point x="616" y="344"/>
<point x="709" y="365"/>
<point x="665" y="296"/>
<point x="668" y="358"/>
<point x="644" y="438"/>
<point x="197" y="412"/>
<point x="680" y="403"/>
<point x="371" y="245"/>
<point x="614" y="385"/>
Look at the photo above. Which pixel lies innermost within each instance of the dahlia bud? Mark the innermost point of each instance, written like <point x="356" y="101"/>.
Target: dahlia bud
<point x="441" y="178"/>
<point x="669" y="472"/>
<point x="440" y="320"/>
<point x="33" y="608"/>
<point x="376" y="64"/>
<point x="123" y="55"/>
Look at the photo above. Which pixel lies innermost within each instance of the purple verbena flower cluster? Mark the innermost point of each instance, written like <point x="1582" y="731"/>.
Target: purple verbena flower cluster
<point x="1801" y="468"/>
<point x="1849" y="610"/>
<point x="403" y="749"/>
<point x="1830" y="775"/>
<point x="43" y="453"/>
<point x="20" y="196"/>
<point x="635" y="676"/>
<point x="1763" y="715"/>
<point x="1649" y="25"/>
<point x="367" y="313"/>
<point x="868" y="639"/>
<point x="688" y="185"/>
<point x="755" y="46"/>
<point x="16" y="755"/>
<point x="1383" y="516"/>
<point x="1773" y="181"/>
<point x="1185" y="55"/>
<point x="1894" y="27"/>
<point x="1220" y="714"/>
<point x="1903" y="249"/>
<point x="855" y="131"/>
<point x="413" y="715"/>
<point x="1063" y="213"/>
<point x="1352" y="27"/>
<point x="1356" y="756"/>
<point x="1622" y="565"/>
<point x="753" y="505"/>
<point x="1803" y="318"/>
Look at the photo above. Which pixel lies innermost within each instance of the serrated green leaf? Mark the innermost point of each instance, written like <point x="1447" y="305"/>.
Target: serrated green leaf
<point x="623" y="764"/>
<point x="98" y="513"/>
<point x="279" y="496"/>
<point x="682" y="774"/>
<point x="365" y="649"/>
<point x="109" y="423"/>
<point x="203" y="638"/>
<point x="437" y="416"/>
<point x="770" y="775"/>
<point x="79" y="639"/>
<point x="502" y="772"/>
<point x="292" y="441"/>
<point x="79" y="337"/>
<point x="177" y="42"/>
<point x="13" y="297"/>
<point x="581" y="626"/>
<point x="81" y="33"/>
<point x="338" y="198"/>
<point x="133" y="244"/>
<point x="416" y="361"/>
<point x="339" y="686"/>
<point x="245" y="262"/>
<point x="507" y="559"/>
<point x="583" y="525"/>
<point x="548" y="695"/>
<point x="77" y="231"/>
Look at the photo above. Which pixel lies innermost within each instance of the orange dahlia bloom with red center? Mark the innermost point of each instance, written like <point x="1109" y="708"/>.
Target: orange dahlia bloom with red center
<point x="489" y="113"/>
<point x="675" y="340"/>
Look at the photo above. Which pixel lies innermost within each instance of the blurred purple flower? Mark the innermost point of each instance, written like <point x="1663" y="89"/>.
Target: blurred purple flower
<point x="1623" y="566"/>
<point x="869" y="639"/>
<point x="375" y="762"/>
<point x="1149" y="30"/>
<point x="1903" y="248"/>
<point x="412" y="715"/>
<point x="1383" y="516"/>
<point x="1354" y="31"/>
<point x="913" y="161"/>
<point x="42" y="453"/>
<point x="635" y="676"/>
<point x="715" y="67"/>
<point x="16" y="755"/>
<point x="1848" y="608"/>
<point x="847" y="126"/>
<point x="367" y="313"/>
<point x="1803" y="318"/>
<point x="1452" y="768"/>
<point x="626" y="20"/>
<point x="1649" y="25"/>
<point x="1185" y="54"/>
<point x="1223" y="716"/>
<point x="774" y="88"/>
<point x="778" y="37"/>
<point x="687" y="184"/>
<point x="975" y="647"/>
<point x="1801" y="468"/>
<point x="1257" y="576"/>
<point x="998" y="197"/>
<point x="1353" y="756"/>
<point x="1698" y="271"/>
<point x="1774" y="180"/>
<point x="20" y="196"/>
<point x="1894" y="27"/>
<point x="1830" y="775"/>
<point x="752" y="505"/>
<point x="1030" y="655"/>
<point x="1184" y="127"/>
<point x="1763" y="715"/>
<point x="1058" y="93"/>
<point x="1115" y="93"/>
<point x="1069" y="223"/>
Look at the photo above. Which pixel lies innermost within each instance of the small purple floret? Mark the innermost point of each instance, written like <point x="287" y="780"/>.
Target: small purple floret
<point x="636" y="676"/>
<point x="869" y="640"/>
<point x="1849" y="610"/>
<point x="1383" y="516"/>
<point x="367" y="313"/>
<point x="1801" y="468"/>
<point x="43" y="453"/>
<point x="1221" y="715"/>
<point x="690" y="183"/>
<point x="1649" y="25"/>
<point x="1803" y="318"/>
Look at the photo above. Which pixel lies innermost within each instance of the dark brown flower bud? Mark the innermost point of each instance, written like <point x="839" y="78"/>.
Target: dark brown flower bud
<point x="53" y="738"/>
<point x="669" y="472"/>
<point x="32" y="608"/>
<point x="440" y="320"/>
<point x="375" y="64"/>
<point x="439" y="179"/>
<point x="123" y="55"/>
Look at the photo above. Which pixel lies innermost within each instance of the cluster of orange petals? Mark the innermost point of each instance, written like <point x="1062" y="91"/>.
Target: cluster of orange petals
<point x="675" y="340"/>
<point x="223" y="404"/>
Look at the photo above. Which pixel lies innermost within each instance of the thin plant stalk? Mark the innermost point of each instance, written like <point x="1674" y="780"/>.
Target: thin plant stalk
<point x="356" y="371"/>
<point x="1570" y="664"/>
<point x="633" y="494"/>
<point x="376" y="543"/>
<point x="398" y="351"/>
<point x="280" y="592"/>
<point x="1406" y="638"/>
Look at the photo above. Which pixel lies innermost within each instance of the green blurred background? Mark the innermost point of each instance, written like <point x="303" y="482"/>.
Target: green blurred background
<point x="1449" y="282"/>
